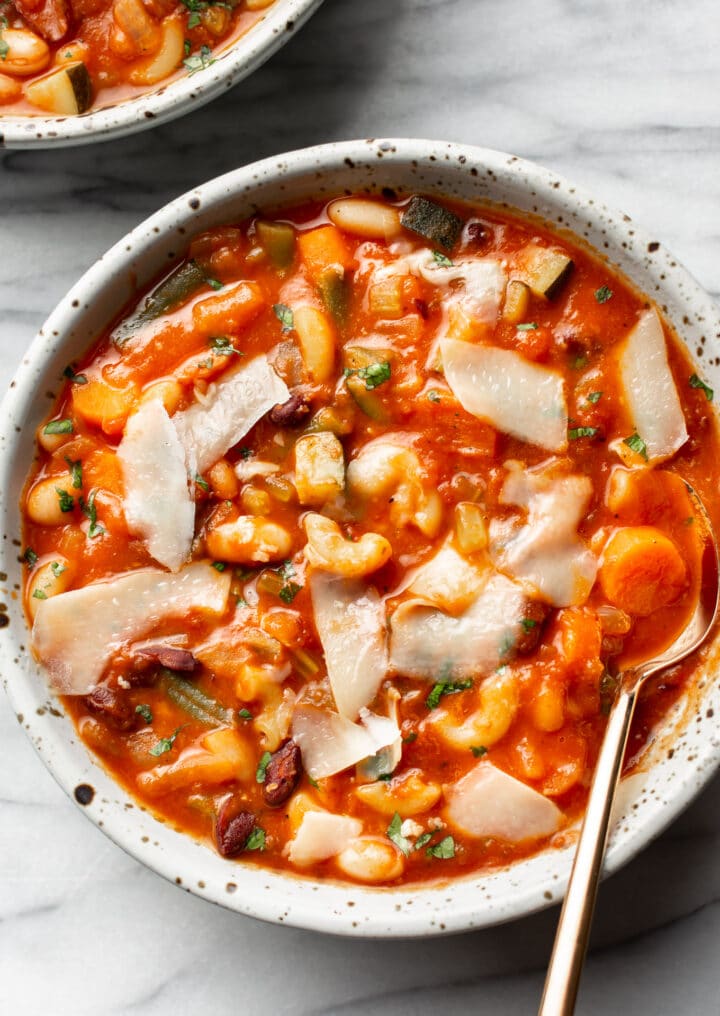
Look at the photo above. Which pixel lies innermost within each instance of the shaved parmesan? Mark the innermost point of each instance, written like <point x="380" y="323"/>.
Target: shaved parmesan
<point x="228" y="410"/>
<point x="426" y="642"/>
<point x="488" y="802"/>
<point x="322" y="835"/>
<point x="649" y="388"/>
<point x="503" y="388"/>
<point x="546" y="552"/>
<point x="477" y="284"/>
<point x="330" y="743"/>
<point x="76" y="633"/>
<point x="349" y="613"/>
<point x="448" y="581"/>
<point x="157" y="503"/>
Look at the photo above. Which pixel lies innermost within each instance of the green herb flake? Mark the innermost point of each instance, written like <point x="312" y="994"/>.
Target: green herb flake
<point x="442" y="688"/>
<point x="76" y="472"/>
<point x="57" y="569"/>
<point x="579" y="362"/>
<point x="434" y="395"/>
<point x="222" y="346"/>
<point x="478" y="750"/>
<point x="577" y="432"/>
<point x="245" y="714"/>
<point x="164" y="744"/>
<point x="286" y="570"/>
<point x="289" y="591"/>
<point x="144" y="711"/>
<point x="203" y="484"/>
<point x="77" y="379"/>
<point x="198" y="61"/>
<point x="594" y="397"/>
<point x="528" y="624"/>
<point x="285" y="316"/>
<point x="528" y="326"/>
<point x="58" y="427"/>
<point x="262" y="766"/>
<point x="39" y="595"/>
<point x="603" y="294"/>
<point x="636" y="444"/>
<point x="374" y="375"/>
<point x="442" y="259"/>
<point x="443" y="850"/>
<point x="30" y="557"/>
<point x="4" y="49"/>
<point x="312" y="782"/>
<point x="215" y="284"/>
<point x="90" y="512"/>
<point x="412" y="736"/>
<point x="256" y="839"/>
<point x="697" y="382"/>
<point x="219" y="566"/>
<point x="187" y="45"/>
<point x="689" y="521"/>
<point x="395" y="836"/>
<point x="422" y="840"/>
<point x="67" y="503"/>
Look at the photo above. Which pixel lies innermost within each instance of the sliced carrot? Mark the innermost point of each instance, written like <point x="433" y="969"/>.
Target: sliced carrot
<point x="102" y="405"/>
<point x="322" y="247"/>
<point x="642" y="570"/>
<point x="578" y="636"/>
<point x="228" y="312"/>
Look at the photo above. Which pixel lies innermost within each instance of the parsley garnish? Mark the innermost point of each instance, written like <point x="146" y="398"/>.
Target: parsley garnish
<point x="256" y="839"/>
<point x="246" y="453"/>
<point x="76" y="470"/>
<point x="164" y="744"/>
<point x="67" y="503"/>
<point x="58" y="427"/>
<point x="90" y="512"/>
<point x="285" y="316"/>
<point x="433" y="395"/>
<point x="57" y="568"/>
<point x="422" y="840"/>
<point x="442" y="259"/>
<point x="39" y="595"/>
<point x="594" y="397"/>
<point x="289" y="591"/>
<point x="4" y="49"/>
<point x="412" y="736"/>
<point x="244" y="714"/>
<point x="222" y="345"/>
<point x="444" y="850"/>
<point x="689" y="521"/>
<point x="77" y="379"/>
<point x="528" y="624"/>
<point x="579" y="362"/>
<point x="198" y="61"/>
<point x="144" y="711"/>
<point x="214" y="284"/>
<point x="202" y="483"/>
<point x="219" y="566"/>
<point x="445" y="688"/>
<point x="478" y="750"/>
<point x="374" y="375"/>
<point x="603" y="294"/>
<point x="529" y="326"/>
<point x="575" y="432"/>
<point x="394" y="834"/>
<point x="262" y="766"/>
<point x="30" y="556"/>
<point x="696" y="382"/>
<point x="312" y="782"/>
<point x="636" y="443"/>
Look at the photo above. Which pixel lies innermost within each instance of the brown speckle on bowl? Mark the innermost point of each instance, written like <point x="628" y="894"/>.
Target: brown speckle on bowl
<point x="84" y="794"/>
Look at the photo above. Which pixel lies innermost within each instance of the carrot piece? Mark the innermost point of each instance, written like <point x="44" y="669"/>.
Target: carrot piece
<point x="228" y="312"/>
<point x="322" y="247"/>
<point x="578" y="636"/>
<point x="642" y="570"/>
<point x="101" y="405"/>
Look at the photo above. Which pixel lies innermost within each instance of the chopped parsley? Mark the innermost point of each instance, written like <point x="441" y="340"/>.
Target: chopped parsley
<point x="222" y="346"/>
<point x="198" y="61"/>
<point x="285" y="316"/>
<point x="244" y="714"/>
<point x="246" y="453"/>
<point x="30" y="556"/>
<point x="256" y="839"/>
<point x="528" y="326"/>
<point x="67" y="503"/>
<point x="412" y="736"/>
<point x="433" y="395"/>
<point x="219" y="566"/>
<point x="442" y="259"/>
<point x="262" y="766"/>
<point x="422" y="840"/>
<point x="77" y="379"/>
<point x="214" y="284"/>
<point x="58" y="427"/>
<point x="312" y="782"/>
<point x="442" y="688"/>
<point x="187" y="45"/>
<point x="577" y="432"/>
<point x="203" y="484"/>
<point x="528" y="624"/>
<point x="144" y="711"/>
<point x="164" y="744"/>
<point x="444" y="850"/>
<point x="39" y="595"/>
<point x="603" y="294"/>
<point x="57" y="569"/>
<point x="478" y="750"/>
<point x="374" y="375"/>
<point x="90" y="512"/>
<point x="76" y="471"/>
<point x="697" y="382"/>
<point x="689" y="521"/>
<point x="395" y="836"/>
<point x="289" y="591"/>
<point x="4" y="49"/>
<point x="636" y="444"/>
<point x="594" y="397"/>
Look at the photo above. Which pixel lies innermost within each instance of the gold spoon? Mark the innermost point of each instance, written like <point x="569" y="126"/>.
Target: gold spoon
<point x="573" y="930"/>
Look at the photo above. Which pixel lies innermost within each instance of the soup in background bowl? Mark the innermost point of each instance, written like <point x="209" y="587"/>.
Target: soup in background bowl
<point x="431" y="511"/>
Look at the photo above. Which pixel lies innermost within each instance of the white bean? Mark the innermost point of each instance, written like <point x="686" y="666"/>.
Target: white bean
<point x="370" y="859"/>
<point x="250" y="539"/>
<point x="361" y="217"/>
<point x="45" y="498"/>
<point x="48" y="580"/>
<point x="26" y="53"/>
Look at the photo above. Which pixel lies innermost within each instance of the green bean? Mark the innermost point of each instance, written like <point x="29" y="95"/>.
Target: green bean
<point x="194" y="701"/>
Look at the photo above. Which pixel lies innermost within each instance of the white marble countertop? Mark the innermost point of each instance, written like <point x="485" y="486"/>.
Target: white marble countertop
<point x="623" y="99"/>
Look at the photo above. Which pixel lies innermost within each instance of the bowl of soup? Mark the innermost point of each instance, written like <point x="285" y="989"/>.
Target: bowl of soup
<point x="361" y="480"/>
<point x="74" y="71"/>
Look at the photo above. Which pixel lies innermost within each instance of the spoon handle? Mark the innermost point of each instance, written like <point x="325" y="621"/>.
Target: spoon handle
<point x="573" y="931"/>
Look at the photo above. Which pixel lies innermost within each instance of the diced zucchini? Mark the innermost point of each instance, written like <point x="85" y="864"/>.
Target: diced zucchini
<point x="67" y="91"/>
<point x="319" y="468"/>
<point x="333" y="288"/>
<point x="172" y="291"/>
<point x="437" y="224"/>
<point x="517" y="301"/>
<point x="363" y="370"/>
<point x="330" y="418"/>
<point x="278" y="240"/>
<point x="546" y="270"/>
<point x="385" y="298"/>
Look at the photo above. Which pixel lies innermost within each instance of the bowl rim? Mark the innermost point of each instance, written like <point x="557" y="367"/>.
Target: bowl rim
<point x="408" y="911"/>
<point x="165" y="102"/>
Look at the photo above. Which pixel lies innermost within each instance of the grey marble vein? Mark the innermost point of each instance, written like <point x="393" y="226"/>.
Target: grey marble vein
<point x="622" y="98"/>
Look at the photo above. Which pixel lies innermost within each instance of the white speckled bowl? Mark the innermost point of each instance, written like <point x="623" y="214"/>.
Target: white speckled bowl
<point x="168" y="101"/>
<point x="684" y="754"/>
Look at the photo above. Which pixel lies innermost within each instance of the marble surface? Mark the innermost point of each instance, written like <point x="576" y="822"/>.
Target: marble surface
<point x="620" y="97"/>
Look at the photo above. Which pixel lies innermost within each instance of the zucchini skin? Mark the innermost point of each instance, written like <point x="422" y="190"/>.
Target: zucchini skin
<point x="171" y="292"/>
<point x="81" y="85"/>
<point x="437" y="224"/>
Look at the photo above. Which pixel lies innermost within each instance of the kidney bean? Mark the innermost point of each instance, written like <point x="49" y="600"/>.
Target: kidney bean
<point x="282" y="774"/>
<point x="232" y="830"/>
<point x="530" y="633"/>
<point x="111" y="704"/>
<point x="168" y="656"/>
<point x="290" y="413"/>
